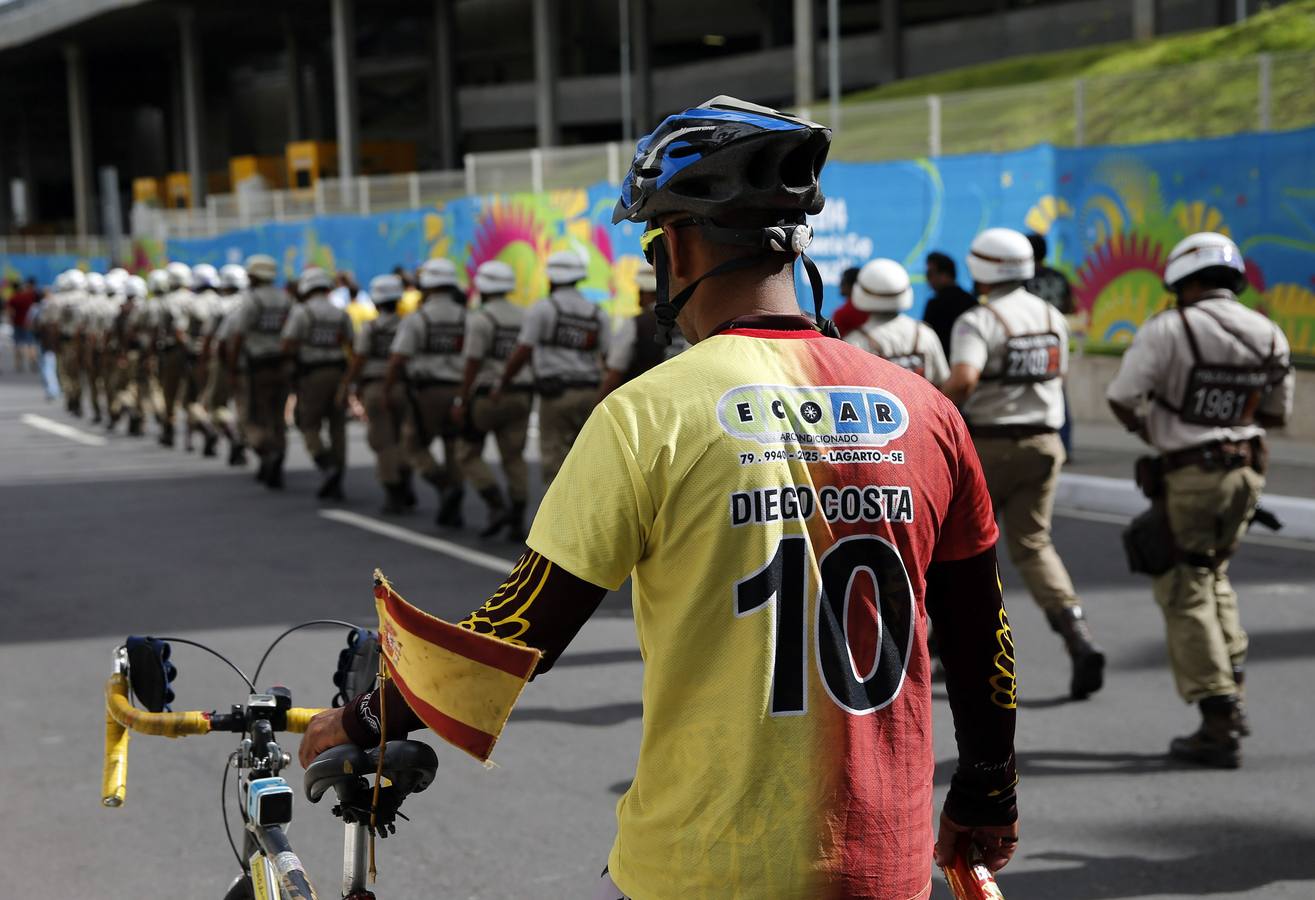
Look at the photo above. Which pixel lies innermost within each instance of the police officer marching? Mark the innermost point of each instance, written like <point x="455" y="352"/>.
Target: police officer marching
<point x="883" y="291"/>
<point x="1008" y="358"/>
<point x="131" y="355"/>
<point x="634" y="347"/>
<point x="199" y="313"/>
<point x="385" y="410"/>
<point x="221" y="377"/>
<point x="564" y="337"/>
<point x="492" y="332"/>
<point x="317" y="336"/>
<point x="1200" y="384"/>
<point x="255" y="352"/>
<point x="427" y="356"/>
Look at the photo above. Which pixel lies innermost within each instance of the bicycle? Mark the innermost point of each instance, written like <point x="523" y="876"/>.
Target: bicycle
<point x="271" y="869"/>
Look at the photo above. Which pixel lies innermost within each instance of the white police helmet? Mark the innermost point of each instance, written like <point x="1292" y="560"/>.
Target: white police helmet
<point x="646" y="278"/>
<point x="1201" y="251"/>
<point x="386" y="289"/>
<point x="158" y="282"/>
<point x="882" y="287"/>
<point x="115" y="278"/>
<point x="95" y="283"/>
<point x="233" y="277"/>
<point x="566" y="267"/>
<point x="204" y="276"/>
<point x="313" y="280"/>
<point x="437" y="273"/>
<point x="494" y="277"/>
<point x="180" y="275"/>
<point x="998" y="255"/>
<point x="262" y="268"/>
<point x="134" y="287"/>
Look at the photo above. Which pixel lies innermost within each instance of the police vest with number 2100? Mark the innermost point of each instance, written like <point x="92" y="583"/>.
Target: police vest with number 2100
<point x="1028" y="358"/>
<point x="1225" y="396"/>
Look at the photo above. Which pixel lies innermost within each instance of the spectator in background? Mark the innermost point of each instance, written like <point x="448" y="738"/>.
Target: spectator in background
<point x="1052" y="286"/>
<point x="948" y="300"/>
<point x="19" y="308"/>
<point x="410" y="293"/>
<point x="1049" y="284"/>
<point x="848" y="316"/>
<point x="36" y="318"/>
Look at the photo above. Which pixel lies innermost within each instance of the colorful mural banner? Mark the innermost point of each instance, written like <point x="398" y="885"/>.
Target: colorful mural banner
<point x="1111" y="215"/>
<point x="18" y="267"/>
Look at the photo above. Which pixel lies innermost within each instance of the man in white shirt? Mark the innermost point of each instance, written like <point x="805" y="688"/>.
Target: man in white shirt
<point x="883" y="291"/>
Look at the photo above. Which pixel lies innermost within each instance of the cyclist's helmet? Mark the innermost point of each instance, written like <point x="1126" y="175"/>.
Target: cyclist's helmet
<point x="726" y="155"/>
<point x="722" y="164"/>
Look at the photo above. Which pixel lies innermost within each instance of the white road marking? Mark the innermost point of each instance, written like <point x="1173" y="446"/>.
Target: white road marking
<point x="64" y="431"/>
<point x="407" y="536"/>
<point x="1266" y="540"/>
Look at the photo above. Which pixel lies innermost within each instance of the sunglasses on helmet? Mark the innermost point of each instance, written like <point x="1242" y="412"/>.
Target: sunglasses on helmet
<point x="648" y="238"/>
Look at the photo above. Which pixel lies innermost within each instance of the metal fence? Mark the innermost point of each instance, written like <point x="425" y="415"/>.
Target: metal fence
<point x="1207" y="99"/>
<point x="53" y="245"/>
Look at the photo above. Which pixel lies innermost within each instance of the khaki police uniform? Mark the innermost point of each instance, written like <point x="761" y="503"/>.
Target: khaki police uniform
<point x="632" y="347"/>
<point x="117" y="372"/>
<point x="218" y="396"/>
<point x="904" y="341"/>
<point x="171" y="355"/>
<point x="260" y="319"/>
<point x="135" y="339"/>
<point x="323" y="332"/>
<point x="433" y="339"/>
<point x="1207" y="369"/>
<point x="198" y="314"/>
<point x="1019" y="344"/>
<point x="386" y="411"/>
<point x="68" y="323"/>
<point x="492" y="332"/>
<point x="569" y="335"/>
<point x="95" y="323"/>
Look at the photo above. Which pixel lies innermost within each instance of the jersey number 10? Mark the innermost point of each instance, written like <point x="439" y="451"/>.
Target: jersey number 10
<point x="782" y="588"/>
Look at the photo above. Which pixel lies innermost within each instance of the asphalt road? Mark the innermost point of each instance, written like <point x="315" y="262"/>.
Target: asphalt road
<point x="98" y="541"/>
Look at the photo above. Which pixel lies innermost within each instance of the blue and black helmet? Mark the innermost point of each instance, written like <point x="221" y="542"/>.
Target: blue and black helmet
<point x="722" y="156"/>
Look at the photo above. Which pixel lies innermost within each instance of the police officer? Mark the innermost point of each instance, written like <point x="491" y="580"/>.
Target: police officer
<point x="385" y="410"/>
<point x="1008" y="357"/>
<point x="492" y="331"/>
<point x="220" y="377"/>
<point x="1200" y="384"/>
<point x="91" y="334"/>
<point x="564" y="337"/>
<point x="129" y="353"/>
<point x="256" y="350"/>
<point x="111" y="346"/>
<point x="884" y="292"/>
<point x="633" y="348"/>
<point x="200" y="311"/>
<point x="427" y="356"/>
<point x="317" y="336"/>
<point x="171" y="345"/>
<point x="157" y="289"/>
<point x="64" y="323"/>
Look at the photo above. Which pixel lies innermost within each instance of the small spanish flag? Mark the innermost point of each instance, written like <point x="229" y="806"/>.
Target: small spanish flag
<point x="463" y="685"/>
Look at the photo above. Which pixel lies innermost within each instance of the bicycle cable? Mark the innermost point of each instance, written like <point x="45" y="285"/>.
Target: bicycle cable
<point x="226" y="661"/>
<point x="274" y="643"/>
<point x="223" y="810"/>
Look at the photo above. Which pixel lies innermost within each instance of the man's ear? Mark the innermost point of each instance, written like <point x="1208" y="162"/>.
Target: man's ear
<point x="680" y="252"/>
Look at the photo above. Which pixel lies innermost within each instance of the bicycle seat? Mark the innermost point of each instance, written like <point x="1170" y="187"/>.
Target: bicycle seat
<point x="342" y="768"/>
<point x="409" y="765"/>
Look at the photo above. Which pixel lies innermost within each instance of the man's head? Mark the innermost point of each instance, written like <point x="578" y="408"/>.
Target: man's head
<point x="262" y="269"/>
<point x="883" y="288"/>
<point x="205" y="277"/>
<point x="565" y="268"/>
<point x="232" y="278"/>
<point x="439" y="277"/>
<point x="999" y="258"/>
<point x="494" y="279"/>
<point x="1204" y="262"/>
<point x="847" y="279"/>
<point x="314" y="282"/>
<point x="1039" y="248"/>
<point x="941" y="271"/>
<point x="386" y="292"/>
<point x="180" y="275"/>
<point x="724" y="189"/>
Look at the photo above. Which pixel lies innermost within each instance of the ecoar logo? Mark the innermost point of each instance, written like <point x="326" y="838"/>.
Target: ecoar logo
<point x="815" y="416"/>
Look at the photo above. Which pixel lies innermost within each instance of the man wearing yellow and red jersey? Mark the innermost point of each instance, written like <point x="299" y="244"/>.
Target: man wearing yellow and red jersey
<point x="790" y="508"/>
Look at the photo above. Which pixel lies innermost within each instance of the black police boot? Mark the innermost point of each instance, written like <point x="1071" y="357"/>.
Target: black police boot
<point x="274" y="475"/>
<point x="1088" y="659"/>
<point x="408" y="490"/>
<point x="237" y="454"/>
<point x="113" y="421"/>
<point x="166" y="434"/>
<point x="394" y="503"/>
<point x="516" y="523"/>
<point x="95" y="417"/>
<point x="1240" y="710"/>
<point x="331" y="486"/>
<point x="497" y="511"/>
<point x="211" y="443"/>
<point x="1215" y="743"/>
<point x="135" y="428"/>
<point x="449" y="508"/>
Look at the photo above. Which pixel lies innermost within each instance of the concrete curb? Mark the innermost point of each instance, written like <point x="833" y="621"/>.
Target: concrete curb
<point x="1116" y="496"/>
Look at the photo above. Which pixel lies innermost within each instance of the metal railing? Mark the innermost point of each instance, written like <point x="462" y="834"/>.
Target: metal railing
<point x="53" y="245"/>
<point x="1205" y="99"/>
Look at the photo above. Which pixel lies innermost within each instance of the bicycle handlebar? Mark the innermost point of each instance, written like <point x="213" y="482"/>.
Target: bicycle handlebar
<point x="121" y="717"/>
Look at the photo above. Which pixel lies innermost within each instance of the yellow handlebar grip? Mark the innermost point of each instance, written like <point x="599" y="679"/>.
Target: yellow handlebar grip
<point x="166" y="724"/>
<point x="114" y="781"/>
<point x="299" y="718"/>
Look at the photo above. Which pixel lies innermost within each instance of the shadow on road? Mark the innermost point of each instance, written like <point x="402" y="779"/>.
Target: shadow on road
<point x="607" y="714"/>
<point x="1033" y="763"/>
<point x="1295" y="643"/>
<point x="597" y="658"/>
<point x="1234" y="859"/>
